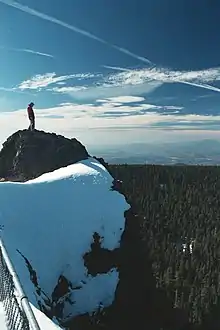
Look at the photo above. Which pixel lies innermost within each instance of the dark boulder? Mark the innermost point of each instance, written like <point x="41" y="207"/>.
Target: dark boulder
<point x="26" y="155"/>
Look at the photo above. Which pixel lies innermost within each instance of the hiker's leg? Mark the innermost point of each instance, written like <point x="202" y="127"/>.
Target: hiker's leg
<point x="30" y="125"/>
<point x="33" y="123"/>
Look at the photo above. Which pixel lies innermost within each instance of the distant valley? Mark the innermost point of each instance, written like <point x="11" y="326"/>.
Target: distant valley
<point x="204" y="152"/>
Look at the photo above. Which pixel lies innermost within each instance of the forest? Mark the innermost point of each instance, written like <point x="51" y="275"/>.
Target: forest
<point x="179" y="208"/>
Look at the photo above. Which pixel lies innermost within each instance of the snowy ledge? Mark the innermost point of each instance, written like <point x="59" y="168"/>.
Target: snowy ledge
<point x="48" y="226"/>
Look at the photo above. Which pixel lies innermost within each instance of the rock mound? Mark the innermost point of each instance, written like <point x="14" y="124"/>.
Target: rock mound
<point x="26" y="155"/>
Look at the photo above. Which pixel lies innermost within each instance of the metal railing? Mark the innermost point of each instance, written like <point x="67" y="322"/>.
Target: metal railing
<point x="18" y="312"/>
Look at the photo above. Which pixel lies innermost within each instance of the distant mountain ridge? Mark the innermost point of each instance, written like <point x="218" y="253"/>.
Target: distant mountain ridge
<point x="204" y="152"/>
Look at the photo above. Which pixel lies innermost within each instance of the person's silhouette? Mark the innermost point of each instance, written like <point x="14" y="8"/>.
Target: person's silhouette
<point x="31" y="116"/>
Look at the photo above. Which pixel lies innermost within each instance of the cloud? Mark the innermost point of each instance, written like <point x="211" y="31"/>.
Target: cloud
<point x="102" y="124"/>
<point x="115" y="90"/>
<point x="73" y="115"/>
<point x="103" y="108"/>
<point x="134" y="82"/>
<point x="85" y="33"/>
<point x="24" y="50"/>
<point x="172" y="107"/>
<point x="108" y="88"/>
<point x="61" y="83"/>
<point x="43" y="80"/>
<point x="14" y="90"/>
<point x="5" y="89"/>
<point x="126" y="99"/>
<point x="166" y="75"/>
<point x="147" y="79"/>
<point x="197" y="78"/>
<point x="139" y="82"/>
<point x="68" y="89"/>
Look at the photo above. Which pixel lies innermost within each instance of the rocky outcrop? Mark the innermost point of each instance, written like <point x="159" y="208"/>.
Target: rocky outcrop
<point x="138" y="303"/>
<point x="26" y="155"/>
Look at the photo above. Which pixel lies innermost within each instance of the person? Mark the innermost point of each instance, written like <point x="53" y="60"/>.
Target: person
<point x="31" y="116"/>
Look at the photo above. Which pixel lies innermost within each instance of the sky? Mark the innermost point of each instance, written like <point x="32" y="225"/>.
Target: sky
<point x="111" y="72"/>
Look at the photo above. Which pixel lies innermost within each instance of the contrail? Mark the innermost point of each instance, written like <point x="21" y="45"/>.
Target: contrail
<point x="127" y="52"/>
<point x="116" y="68"/>
<point x="51" y="19"/>
<point x="24" y="50"/>
<point x="46" y="17"/>
<point x="212" y="88"/>
<point x="33" y="52"/>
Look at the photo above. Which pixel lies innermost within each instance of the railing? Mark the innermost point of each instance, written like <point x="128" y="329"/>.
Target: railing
<point x="18" y="312"/>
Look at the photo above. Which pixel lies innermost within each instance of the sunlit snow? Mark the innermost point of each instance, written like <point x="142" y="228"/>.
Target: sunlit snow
<point x="2" y="318"/>
<point x="51" y="221"/>
<point x="43" y="321"/>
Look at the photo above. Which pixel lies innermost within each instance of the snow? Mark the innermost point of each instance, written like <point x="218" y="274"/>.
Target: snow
<point x="51" y="221"/>
<point x="43" y="321"/>
<point x="2" y="318"/>
<point x="184" y="246"/>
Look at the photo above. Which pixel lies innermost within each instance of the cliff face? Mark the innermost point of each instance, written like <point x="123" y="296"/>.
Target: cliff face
<point x="138" y="303"/>
<point x="26" y="155"/>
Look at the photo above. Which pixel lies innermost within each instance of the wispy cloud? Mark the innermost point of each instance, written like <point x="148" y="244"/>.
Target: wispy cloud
<point x="40" y="81"/>
<point x="107" y="90"/>
<point x="68" y="89"/>
<point x="85" y="33"/>
<point x="141" y="81"/>
<point x="196" y="78"/>
<point x="167" y="75"/>
<point x="125" y="82"/>
<point x="25" y="50"/>
<point x="5" y="89"/>
<point x="14" y="90"/>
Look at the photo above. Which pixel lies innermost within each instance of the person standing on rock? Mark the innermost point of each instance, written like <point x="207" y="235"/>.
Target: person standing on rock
<point x="31" y="116"/>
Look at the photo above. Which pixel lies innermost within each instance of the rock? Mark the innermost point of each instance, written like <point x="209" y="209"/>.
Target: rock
<point x="26" y="155"/>
<point x="138" y="303"/>
<point x="100" y="260"/>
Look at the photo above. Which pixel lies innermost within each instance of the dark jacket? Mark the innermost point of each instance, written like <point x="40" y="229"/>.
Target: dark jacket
<point x="30" y="112"/>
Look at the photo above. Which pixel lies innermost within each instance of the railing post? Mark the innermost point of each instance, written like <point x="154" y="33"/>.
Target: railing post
<point x="9" y="282"/>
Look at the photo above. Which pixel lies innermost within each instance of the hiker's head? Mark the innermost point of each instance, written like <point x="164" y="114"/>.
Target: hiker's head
<point x="31" y="104"/>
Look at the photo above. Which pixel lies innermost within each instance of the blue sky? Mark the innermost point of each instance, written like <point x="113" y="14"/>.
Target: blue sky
<point x="111" y="71"/>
